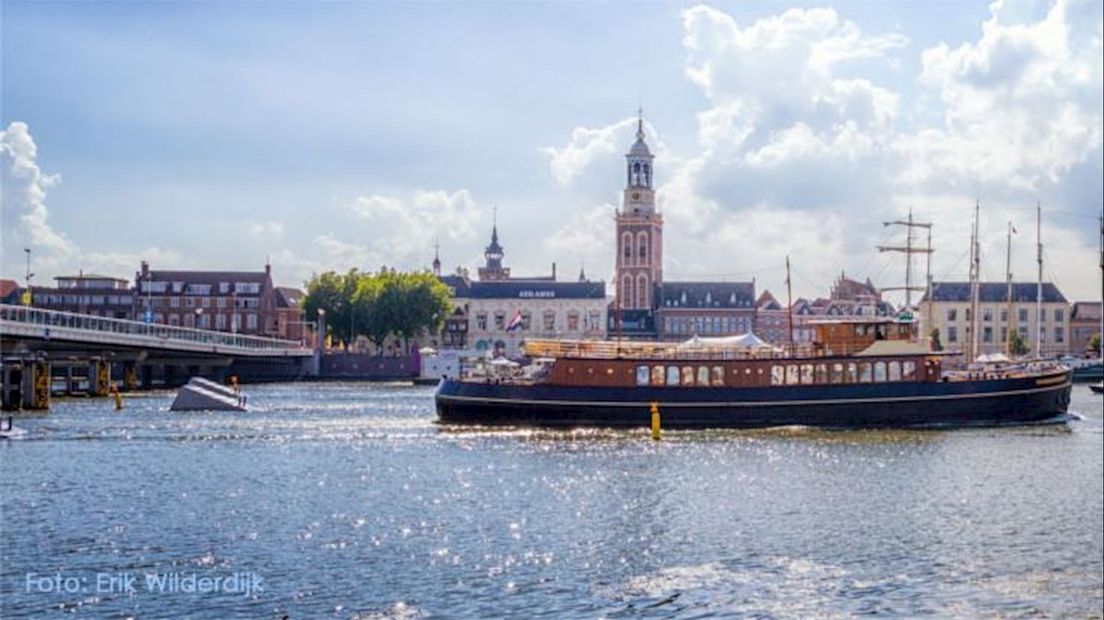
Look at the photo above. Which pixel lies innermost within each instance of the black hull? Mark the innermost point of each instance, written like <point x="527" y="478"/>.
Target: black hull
<point x="881" y="405"/>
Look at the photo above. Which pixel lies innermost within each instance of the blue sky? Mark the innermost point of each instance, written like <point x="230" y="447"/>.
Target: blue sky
<point x="333" y="135"/>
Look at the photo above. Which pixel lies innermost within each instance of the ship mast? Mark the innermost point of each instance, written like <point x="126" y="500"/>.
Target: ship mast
<point x="789" y="305"/>
<point x="975" y="269"/>
<point x="1100" y="343"/>
<point x="1008" y="310"/>
<point x="908" y="251"/>
<point x="1039" y="282"/>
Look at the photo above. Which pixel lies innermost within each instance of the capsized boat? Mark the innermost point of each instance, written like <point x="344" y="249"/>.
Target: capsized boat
<point x="865" y="373"/>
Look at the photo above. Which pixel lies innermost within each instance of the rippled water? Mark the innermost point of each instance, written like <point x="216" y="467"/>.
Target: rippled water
<point x="348" y="501"/>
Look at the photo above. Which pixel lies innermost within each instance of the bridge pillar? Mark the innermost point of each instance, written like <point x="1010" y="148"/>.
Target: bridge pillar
<point x="130" y="376"/>
<point x="147" y="376"/>
<point x="99" y="377"/>
<point x="36" y="392"/>
<point x="13" y="385"/>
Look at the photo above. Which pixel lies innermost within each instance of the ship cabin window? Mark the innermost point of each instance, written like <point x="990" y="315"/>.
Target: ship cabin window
<point x="718" y="376"/>
<point x="688" y="375"/>
<point x="836" y="377"/>
<point x="821" y="374"/>
<point x="860" y="330"/>
<point x="657" y="375"/>
<point x="865" y="375"/>
<point x="643" y="374"/>
<point x="909" y="371"/>
<point x="672" y="375"/>
<point x="852" y="373"/>
<point x="806" y="374"/>
<point x="880" y="372"/>
<point x="703" y="375"/>
<point x="792" y="374"/>
<point x="895" y="371"/>
<point x="777" y="375"/>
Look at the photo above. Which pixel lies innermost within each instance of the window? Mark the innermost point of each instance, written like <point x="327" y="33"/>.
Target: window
<point x="500" y="320"/>
<point x="593" y="320"/>
<point x="822" y="373"/>
<point x="573" y="321"/>
<point x="688" y="375"/>
<point x="626" y="248"/>
<point x="806" y="374"/>
<point x="526" y="320"/>
<point x="952" y="314"/>
<point x="703" y="375"/>
<point x="880" y="372"/>
<point x="865" y="376"/>
<point x="1059" y="315"/>
<point x="909" y="370"/>
<point x="1004" y="334"/>
<point x="657" y="375"/>
<point x="836" y="376"/>
<point x="481" y="320"/>
<point x="852" y="373"/>
<point x="1004" y="315"/>
<point x="969" y="314"/>
<point x="718" y="376"/>
<point x="549" y="321"/>
<point x="987" y="315"/>
<point x="952" y="334"/>
<point x="251" y="321"/>
<point x="221" y="302"/>
<point x="1059" y="334"/>
<point x="672" y="375"/>
<point x="777" y="375"/>
<point x="987" y="334"/>
<point x="895" y="371"/>
<point x="174" y="302"/>
<point x="792" y="374"/>
<point x="642" y="242"/>
<point x="642" y="375"/>
<point x="1023" y="315"/>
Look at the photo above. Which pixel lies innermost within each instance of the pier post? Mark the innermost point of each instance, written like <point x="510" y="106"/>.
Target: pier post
<point x="655" y="421"/>
<point x="13" y="385"/>
<point x="99" y="380"/>
<point x="36" y="386"/>
<point x="130" y="376"/>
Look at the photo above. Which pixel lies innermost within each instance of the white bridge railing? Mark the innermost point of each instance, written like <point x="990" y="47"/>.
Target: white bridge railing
<point x="28" y="321"/>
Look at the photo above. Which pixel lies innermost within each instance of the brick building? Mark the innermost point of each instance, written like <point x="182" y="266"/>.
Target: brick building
<point x="88" y="294"/>
<point x="1084" y="323"/>
<point x="235" y="301"/>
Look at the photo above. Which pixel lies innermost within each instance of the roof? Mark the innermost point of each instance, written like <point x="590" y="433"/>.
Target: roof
<point x="535" y="289"/>
<point x="288" y="297"/>
<point x="767" y="301"/>
<point x="894" y="347"/>
<point x="1086" y="311"/>
<point x="459" y="286"/>
<point x="206" y="277"/>
<point x="8" y="288"/>
<point x="706" y="294"/>
<point x="91" y="276"/>
<point x="990" y="292"/>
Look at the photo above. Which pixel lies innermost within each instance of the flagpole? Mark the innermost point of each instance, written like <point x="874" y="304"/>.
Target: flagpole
<point x="1008" y="311"/>
<point x="789" y="306"/>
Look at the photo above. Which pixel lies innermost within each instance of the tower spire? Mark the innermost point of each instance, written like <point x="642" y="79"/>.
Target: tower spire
<point x="640" y="122"/>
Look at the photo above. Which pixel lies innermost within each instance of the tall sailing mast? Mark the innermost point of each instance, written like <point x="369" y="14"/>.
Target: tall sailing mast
<point x="975" y="275"/>
<point x="1008" y="295"/>
<point x="1039" y="282"/>
<point x="908" y="251"/>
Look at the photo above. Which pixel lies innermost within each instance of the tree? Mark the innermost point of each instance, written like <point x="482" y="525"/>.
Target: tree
<point x="936" y="345"/>
<point x="1016" y="344"/>
<point x="425" y="300"/>
<point x="1094" y="343"/>
<point x="333" y="293"/>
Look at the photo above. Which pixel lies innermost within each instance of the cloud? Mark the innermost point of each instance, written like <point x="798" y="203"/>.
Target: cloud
<point x="404" y="228"/>
<point x="23" y="202"/>
<point x="586" y="146"/>
<point x="270" y="228"/>
<point x="586" y="237"/>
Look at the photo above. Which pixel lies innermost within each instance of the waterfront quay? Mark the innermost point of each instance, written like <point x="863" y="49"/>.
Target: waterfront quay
<point x="346" y="500"/>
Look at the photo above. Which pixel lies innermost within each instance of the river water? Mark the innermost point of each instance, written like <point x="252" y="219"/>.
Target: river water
<point x="347" y="501"/>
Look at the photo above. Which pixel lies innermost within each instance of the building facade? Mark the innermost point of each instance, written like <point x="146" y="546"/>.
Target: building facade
<point x="1084" y="324"/>
<point x="241" y="302"/>
<point x="950" y="312"/>
<point x="88" y="294"/>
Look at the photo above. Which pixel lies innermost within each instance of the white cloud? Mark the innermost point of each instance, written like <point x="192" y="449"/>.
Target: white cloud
<point x="405" y="228"/>
<point x="585" y="147"/>
<point x="23" y="202"/>
<point x="266" y="228"/>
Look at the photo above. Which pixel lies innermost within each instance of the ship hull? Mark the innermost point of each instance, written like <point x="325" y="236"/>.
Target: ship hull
<point x="1027" y="400"/>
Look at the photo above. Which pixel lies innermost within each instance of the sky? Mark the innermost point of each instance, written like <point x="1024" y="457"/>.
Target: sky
<point x="327" y="136"/>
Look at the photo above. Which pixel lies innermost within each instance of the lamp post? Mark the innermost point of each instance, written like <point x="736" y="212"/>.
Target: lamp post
<point x="27" y="296"/>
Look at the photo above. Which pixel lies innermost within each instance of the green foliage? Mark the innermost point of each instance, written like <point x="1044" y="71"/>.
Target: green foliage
<point x="935" y="343"/>
<point x="378" y="305"/>
<point x="1016" y="344"/>
<point x="1094" y="343"/>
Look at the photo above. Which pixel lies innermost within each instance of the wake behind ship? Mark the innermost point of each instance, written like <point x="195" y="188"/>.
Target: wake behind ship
<point x="857" y="374"/>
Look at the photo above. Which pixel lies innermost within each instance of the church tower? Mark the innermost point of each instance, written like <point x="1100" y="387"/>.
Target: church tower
<point x="639" y="264"/>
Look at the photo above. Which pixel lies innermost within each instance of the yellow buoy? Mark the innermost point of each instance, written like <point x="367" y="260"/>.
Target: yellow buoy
<point x="655" y="421"/>
<point x="118" y="397"/>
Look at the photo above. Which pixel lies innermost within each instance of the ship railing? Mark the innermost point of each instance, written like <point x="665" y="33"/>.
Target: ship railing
<point x="604" y="349"/>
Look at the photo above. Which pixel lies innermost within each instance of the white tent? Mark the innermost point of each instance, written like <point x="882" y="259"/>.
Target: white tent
<point x="993" y="358"/>
<point x="740" y="342"/>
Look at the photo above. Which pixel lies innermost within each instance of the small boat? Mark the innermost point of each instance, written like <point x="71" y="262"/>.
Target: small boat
<point x="9" y="430"/>
<point x="200" y="394"/>
<point x="859" y="373"/>
<point x="1097" y="387"/>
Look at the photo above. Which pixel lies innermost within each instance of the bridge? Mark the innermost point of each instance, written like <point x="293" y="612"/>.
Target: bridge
<point x="91" y="332"/>
<point x="88" y="351"/>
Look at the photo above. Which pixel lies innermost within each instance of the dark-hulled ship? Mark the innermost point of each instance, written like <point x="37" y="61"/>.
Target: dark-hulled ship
<point x="856" y="374"/>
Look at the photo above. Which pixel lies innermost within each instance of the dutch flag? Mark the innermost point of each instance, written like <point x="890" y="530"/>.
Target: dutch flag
<point x="515" y="322"/>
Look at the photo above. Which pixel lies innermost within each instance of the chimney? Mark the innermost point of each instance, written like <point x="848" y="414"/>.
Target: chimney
<point x="553" y="271"/>
<point x="145" y="269"/>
